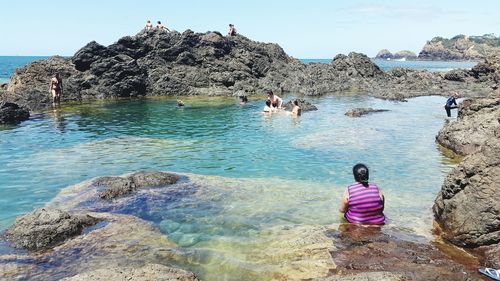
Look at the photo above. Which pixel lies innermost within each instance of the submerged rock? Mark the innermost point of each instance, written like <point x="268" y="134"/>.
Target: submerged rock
<point x="46" y="228"/>
<point x="358" y="112"/>
<point x="120" y="186"/>
<point x="144" y="273"/>
<point x="304" y="105"/>
<point x="12" y="113"/>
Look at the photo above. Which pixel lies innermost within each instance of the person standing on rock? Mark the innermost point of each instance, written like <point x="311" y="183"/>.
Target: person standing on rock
<point x="276" y="102"/>
<point x="451" y="103"/>
<point x="160" y="26"/>
<point x="149" y="25"/>
<point x="232" y="30"/>
<point x="56" y="89"/>
<point x="363" y="202"/>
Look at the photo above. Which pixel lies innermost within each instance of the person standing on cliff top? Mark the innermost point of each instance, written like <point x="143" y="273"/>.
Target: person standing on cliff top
<point x="451" y="103"/>
<point x="56" y="89"/>
<point x="232" y="30"/>
<point x="160" y="26"/>
<point x="149" y="25"/>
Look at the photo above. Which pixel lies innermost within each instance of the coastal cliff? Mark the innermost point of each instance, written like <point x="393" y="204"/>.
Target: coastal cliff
<point x="460" y="47"/>
<point x="157" y="63"/>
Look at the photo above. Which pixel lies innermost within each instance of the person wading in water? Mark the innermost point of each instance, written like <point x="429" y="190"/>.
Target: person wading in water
<point x="56" y="89"/>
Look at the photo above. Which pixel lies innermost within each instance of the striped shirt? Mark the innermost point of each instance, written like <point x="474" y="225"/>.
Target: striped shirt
<point x="365" y="205"/>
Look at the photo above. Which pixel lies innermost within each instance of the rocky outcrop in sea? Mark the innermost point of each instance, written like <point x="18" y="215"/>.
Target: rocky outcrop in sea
<point x="467" y="207"/>
<point x="387" y="55"/>
<point x="460" y="47"/>
<point x="358" y="112"/>
<point x="156" y="63"/>
<point x="12" y="113"/>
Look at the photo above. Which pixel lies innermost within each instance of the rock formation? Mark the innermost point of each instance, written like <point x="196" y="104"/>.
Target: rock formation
<point x="405" y="54"/>
<point x="467" y="207"/>
<point x="46" y="228"/>
<point x="384" y="54"/>
<point x="304" y="105"/>
<point x="154" y="63"/>
<point x="358" y="112"/>
<point x="12" y="113"/>
<point x="460" y="47"/>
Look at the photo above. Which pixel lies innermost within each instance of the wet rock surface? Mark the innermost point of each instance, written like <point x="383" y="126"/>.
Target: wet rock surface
<point x="303" y="104"/>
<point x="156" y="63"/>
<point x="11" y="113"/>
<point x="144" y="273"/>
<point x="358" y="112"/>
<point x="45" y="228"/>
<point x="119" y="186"/>
<point x="386" y="253"/>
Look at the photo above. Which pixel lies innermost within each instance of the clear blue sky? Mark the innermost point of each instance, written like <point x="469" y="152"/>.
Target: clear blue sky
<point x="305" y="29"/>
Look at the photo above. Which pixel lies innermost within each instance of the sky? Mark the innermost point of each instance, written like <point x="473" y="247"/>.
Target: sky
<point x="304" y="29"/>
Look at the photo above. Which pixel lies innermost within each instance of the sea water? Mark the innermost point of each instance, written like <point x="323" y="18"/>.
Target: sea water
<point x="9" y="63"/>
<point x="276" y="177"/>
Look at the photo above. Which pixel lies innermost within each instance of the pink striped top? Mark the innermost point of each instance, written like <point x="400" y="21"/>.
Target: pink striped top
<point x="365" y="205"/>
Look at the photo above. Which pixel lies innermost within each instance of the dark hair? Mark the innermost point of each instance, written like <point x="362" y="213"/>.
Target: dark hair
<point x="296" y="102"/>
<point x="268" y="102"/>
<point x="243" y="98"/>
<point x="360" y="173"/>
<point x="159" y="22"/>
<point x="270" y="92"/>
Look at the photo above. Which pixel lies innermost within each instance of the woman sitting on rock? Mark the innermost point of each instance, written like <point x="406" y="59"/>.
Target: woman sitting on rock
<point x="363" y="202"/>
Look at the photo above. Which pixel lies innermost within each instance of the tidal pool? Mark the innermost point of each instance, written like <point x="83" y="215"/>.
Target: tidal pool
<point x="273" y="177"/>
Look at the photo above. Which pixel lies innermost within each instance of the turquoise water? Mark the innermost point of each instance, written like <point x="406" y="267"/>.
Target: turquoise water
<point x="220" y="137"/>
<point x="9" y="63"/>
<point x="387" y="65"/>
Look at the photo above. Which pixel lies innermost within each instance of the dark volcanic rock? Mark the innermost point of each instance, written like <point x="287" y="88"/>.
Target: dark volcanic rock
<point x="356" y="64"/>
<point x="12" y="113"/>
<point x="358" y="112"/>
<point x="477" y="122"/>
<point x="44" y="229"/>
<point x="304" y="105"/>
<point x="467" y="207"/>
<point x="119" y="186"/>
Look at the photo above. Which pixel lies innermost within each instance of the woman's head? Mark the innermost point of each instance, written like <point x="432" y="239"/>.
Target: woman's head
<point x="159" y="22"/>
<point x="360" y="173"/>
<point x="296" y="102"/>
<point x="268" y="102"/>
<point x="270" y="93"/>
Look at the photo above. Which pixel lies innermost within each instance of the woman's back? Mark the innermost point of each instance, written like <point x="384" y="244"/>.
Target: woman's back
<point x="365" y="204"/>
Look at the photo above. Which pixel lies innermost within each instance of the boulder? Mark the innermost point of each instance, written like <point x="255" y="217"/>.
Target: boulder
<point x="115" y="187"/>
<point x="45" y="228"/>
<point x="12" y="113"/>
<point x="303" y="104"/>
<point x="356" y="64"/>
<point x="477" y="122"/>
<point x="144" y="273"/>
<point x="358" y="112"/>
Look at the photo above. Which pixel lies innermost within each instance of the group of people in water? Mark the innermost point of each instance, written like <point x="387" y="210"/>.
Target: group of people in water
<point x="275" y="103"/>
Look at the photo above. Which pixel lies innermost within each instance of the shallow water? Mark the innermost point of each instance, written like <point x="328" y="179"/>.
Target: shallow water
<point x="274" y="172"/>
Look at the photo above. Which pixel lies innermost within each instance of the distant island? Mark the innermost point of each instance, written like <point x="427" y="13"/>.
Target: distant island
<point x="460" y="47"/>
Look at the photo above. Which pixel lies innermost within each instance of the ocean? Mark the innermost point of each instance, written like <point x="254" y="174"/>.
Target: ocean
<point x="9" y="63"/>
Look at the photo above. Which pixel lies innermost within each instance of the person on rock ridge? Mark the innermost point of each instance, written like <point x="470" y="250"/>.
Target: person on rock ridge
<point x="363" y="202"/>
<point x="149" y="25"/>
<point x="451" y="103"/>
<point x="56" y="88"/>
<point x="160" y="26"/>
<point x="232" y="30"/>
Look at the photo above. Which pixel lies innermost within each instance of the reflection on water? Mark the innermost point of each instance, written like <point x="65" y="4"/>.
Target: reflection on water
<point x="279" y="177"/>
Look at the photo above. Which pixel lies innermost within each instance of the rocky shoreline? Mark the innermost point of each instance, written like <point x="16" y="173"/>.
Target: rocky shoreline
<point x="155" y="63"/>
<point x="467" y="208"/>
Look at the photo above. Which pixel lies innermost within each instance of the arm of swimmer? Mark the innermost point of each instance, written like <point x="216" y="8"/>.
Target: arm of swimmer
<point x="344" y="204"/>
